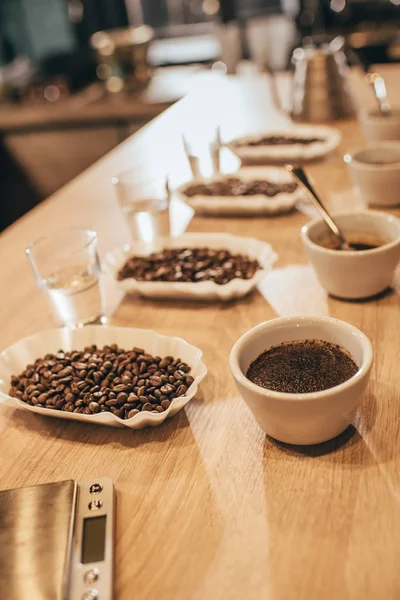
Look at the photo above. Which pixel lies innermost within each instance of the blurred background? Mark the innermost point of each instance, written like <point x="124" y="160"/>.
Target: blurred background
<point x="79" y="76"/>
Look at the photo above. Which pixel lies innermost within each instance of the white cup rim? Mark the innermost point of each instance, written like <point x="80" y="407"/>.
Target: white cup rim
<point x="245" y="339"/>
<point x="351" y="156"/>
<point x="353" y="253"/>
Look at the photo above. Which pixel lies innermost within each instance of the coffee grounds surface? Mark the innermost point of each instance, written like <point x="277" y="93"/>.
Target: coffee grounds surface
<point x="302" y="367"/>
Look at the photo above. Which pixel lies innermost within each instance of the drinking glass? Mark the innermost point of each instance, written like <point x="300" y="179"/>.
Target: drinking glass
<point x="145" y="203"/>
<point x="67" y="268"/>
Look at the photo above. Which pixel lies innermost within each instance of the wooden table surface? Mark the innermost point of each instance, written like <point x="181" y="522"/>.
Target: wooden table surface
<point x="92" y="107"/>
<point x="208" y="507"/>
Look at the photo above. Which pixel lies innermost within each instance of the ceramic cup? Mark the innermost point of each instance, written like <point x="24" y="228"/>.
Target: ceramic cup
<point x="302" y="418"/>
<point x="355" y="274"/>
<point x="375" y="171"/>
<point x="377" y="127"/>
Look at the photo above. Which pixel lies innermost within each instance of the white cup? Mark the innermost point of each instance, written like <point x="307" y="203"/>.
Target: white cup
<point x="378" y="127"/>
<point x="302" y="418"/>
<point x="375" y="171"/>
<point x="353" y="274"/>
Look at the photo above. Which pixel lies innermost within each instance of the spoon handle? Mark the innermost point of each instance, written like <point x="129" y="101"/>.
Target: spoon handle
<point x="304" y="184"/>
<point x="378" y="83"/>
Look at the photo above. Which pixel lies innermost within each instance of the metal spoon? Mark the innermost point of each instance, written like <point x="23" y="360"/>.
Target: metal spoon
<point x="304" y="184"/>
<point x="378" y="83"/>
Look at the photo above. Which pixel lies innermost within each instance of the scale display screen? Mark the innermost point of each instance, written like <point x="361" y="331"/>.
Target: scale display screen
<point x="93" y="539"/>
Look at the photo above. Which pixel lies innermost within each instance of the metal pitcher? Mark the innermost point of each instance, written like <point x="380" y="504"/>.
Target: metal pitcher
<point x="320" y="91"/>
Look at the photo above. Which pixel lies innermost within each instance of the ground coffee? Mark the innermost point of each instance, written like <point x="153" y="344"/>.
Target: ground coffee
<point x="301" y="367"/>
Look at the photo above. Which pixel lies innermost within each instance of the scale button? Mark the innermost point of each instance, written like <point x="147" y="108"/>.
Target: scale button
<point x="90" y="595"/>
<point x="95" y="505"/>
<point x="96" y="488"/>
<point x="91" y="576"/>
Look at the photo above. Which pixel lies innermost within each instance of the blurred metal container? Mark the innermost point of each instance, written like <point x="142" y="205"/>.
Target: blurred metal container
<point x="320" y="84"/>
<point x="122" y="57"/>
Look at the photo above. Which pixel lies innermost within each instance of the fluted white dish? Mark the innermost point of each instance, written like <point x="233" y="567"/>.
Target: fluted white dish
<point x="14" y="360"/>
<point x="201" y="290"/>
<point x="290" y="152"/>
<point x="257" y="204"/>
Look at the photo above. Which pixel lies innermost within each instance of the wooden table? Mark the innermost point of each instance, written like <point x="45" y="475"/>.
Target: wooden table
<point x="208" y="507"/>
<point x="91" y="107"/>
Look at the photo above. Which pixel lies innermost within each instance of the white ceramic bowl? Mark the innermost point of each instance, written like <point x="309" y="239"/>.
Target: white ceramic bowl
<point x="375" y="171"/>
<point x="14" y="360"/>
<point x="205" y="290"/>
<point x="378" y="128"/>
<point x="259" y="204"/>
<point x="302" y="418"/>
<point x="291" y="152"/>
<point x="354" y="274"/>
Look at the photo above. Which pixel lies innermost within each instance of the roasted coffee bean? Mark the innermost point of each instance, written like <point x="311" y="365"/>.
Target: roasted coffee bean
<point x="119" y="388"/>
<point x="111" y="402"/>
<point x="108" y="379"/>
<point x="189" y="265"/>
<point x="234" y="186"/>
<point x="132" y="413"/>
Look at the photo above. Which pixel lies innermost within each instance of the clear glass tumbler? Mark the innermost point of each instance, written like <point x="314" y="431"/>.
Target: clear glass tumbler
<point x="144" y="202"/>
<point x="67" y="268"/>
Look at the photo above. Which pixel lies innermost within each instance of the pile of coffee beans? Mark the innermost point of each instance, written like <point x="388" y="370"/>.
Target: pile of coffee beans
<point x="190" y="265"/>
<point x="96" y="380"/>
<point x="233" y="186"/>
<point x="281" y="140"/>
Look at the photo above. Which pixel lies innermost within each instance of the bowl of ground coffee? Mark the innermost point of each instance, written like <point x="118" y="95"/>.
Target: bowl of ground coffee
<point x="302" y="377"/>
<point x="368" y="267"/>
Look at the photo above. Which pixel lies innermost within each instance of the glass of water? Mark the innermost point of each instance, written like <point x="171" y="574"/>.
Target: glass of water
<point x="67" y="268"/>
<point x="144" y="202"/>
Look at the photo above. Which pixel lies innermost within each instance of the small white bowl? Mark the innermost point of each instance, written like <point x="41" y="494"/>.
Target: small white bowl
<point x="302" y="418"/>
<point x="377" y="127"/>
<point x="375" y="171"/>
<point x="258" y="204"/>
<point x="204" y="290"/>
<point x="290" y="152"/>
<point x="14" y="360"/>
<point x="355" y="274"/>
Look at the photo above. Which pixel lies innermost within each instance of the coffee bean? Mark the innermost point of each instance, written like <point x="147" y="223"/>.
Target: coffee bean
<point x="132" y="413"/>
<point x="111" y="402"/>
<point x="119" y="388"/>
<point x="97" y="380"/>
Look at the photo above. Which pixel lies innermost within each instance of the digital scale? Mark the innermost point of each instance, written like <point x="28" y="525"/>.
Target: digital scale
<point x="57" y="541"/>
